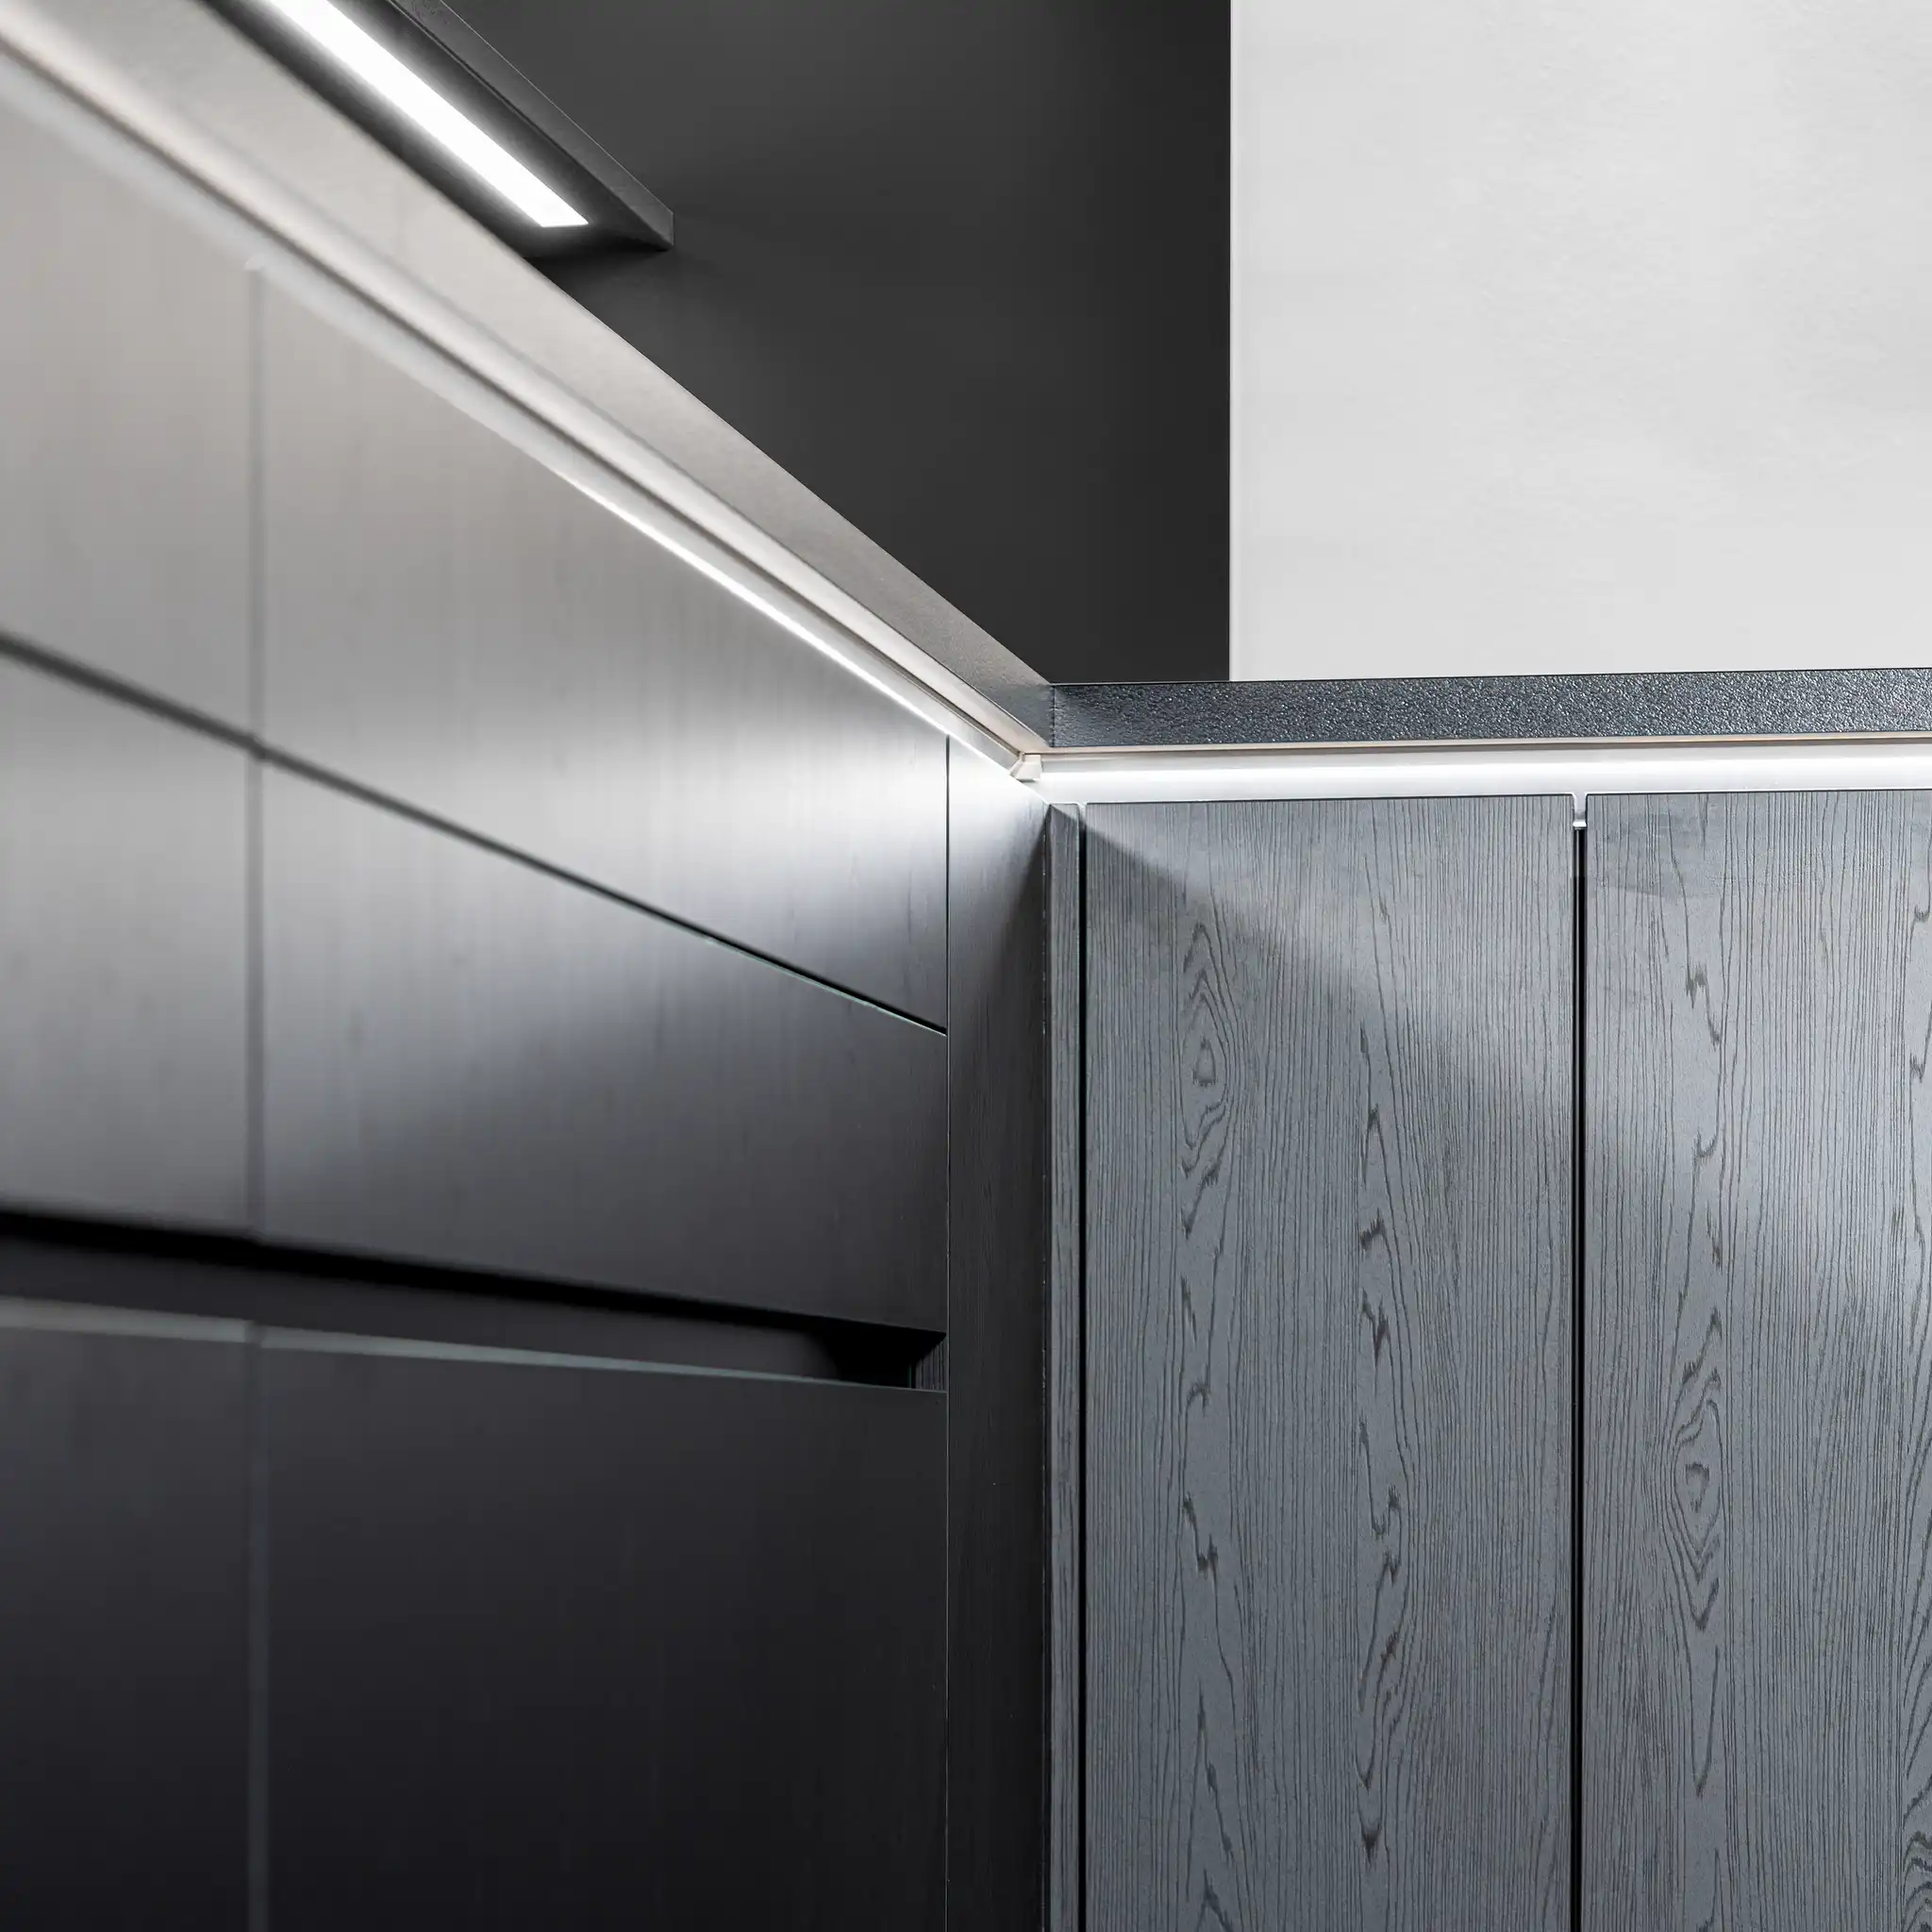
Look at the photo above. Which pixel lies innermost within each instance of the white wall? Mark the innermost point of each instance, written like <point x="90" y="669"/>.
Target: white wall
<point x="1581" y="335"/>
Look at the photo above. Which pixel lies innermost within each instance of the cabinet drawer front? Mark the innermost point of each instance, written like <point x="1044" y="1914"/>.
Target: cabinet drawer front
<point x="598" y="1647"/>
<point x="468" y="1060"/>
<point x="456" y="625"/>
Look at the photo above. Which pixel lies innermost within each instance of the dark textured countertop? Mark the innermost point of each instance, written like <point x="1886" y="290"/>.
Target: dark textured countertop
<point x="1449" y="711"/>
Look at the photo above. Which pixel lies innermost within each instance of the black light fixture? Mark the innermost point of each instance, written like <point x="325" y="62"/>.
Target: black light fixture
<point x="429" y="87"/>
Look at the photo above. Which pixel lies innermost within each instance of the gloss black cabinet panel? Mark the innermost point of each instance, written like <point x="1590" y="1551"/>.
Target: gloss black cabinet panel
<point x="468" y="1060"/>
<point x="125" y="360"/>
<point x="450" y="622"/>
<point x="124" y="1622"/>
<point x="123" y="959"/>
<point x="1329" y="1400"/>
<point x="1758" y="1295"/>
<point x="598" y="1647"/>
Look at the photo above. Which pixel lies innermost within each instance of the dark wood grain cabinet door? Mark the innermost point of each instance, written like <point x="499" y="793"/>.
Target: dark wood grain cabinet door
<point x="1758" y="1556"/>
<point x="599" y="1647"/>
<point x="124" y="1621"/>
<point x="1330" y="1356"/>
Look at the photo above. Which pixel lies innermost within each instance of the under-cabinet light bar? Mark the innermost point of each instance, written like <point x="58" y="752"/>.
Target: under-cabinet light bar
<point x="372" y="64"/>
<point x="1481" y="771"/>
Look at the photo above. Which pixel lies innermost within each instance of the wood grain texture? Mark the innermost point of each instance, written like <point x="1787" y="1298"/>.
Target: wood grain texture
<point x="1329" y="1358"/>
<point x="1065" y="1372"/>
<point x="452" y="624"/>
<point x="1758" y="1663"/>
<point x="996" y="1352"/>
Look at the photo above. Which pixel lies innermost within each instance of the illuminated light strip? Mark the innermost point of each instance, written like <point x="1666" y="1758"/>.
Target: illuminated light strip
<point x="1482" y="771"/>
<point x="909" y="692"/>
<point x="372" y="63"/>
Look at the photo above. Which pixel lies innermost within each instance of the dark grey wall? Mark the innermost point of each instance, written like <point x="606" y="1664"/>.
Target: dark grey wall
<point x="961" y="266"/>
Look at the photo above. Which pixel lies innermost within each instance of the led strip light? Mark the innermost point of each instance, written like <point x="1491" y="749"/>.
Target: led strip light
<point x="331" y="30"/>
<point x="1481" y="770"/>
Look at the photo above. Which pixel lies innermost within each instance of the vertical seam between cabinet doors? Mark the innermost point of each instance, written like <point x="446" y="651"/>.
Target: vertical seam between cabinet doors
<point x="253" y="1044"/>
<point x="257" y="496"/>
<point x="257" y="1587"/>
<point x="256" y="1580"/>
<point x="1049" y="1376"/>
<point x="1579" y="1151"/>
<point x="256" y="554"/>
<point x="1080" y="1382"/>
<point x="946" y="1359"/>
<point x="1063" y="1471"/>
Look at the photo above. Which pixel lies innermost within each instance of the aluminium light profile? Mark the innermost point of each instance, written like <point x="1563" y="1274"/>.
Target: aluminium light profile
<point x="415" y="75"/>
<point x="1201" y="775"/>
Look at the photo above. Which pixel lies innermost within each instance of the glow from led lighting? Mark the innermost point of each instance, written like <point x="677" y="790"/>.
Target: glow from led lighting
<point x="909" y="694"/>
<point x="1487" y="771"/>
<point x="372" y="64"/>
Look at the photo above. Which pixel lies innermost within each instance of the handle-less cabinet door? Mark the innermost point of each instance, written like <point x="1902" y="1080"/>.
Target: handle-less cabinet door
<point x="123" y="959"/>
<point x="595" y="1647"/>
<point x="1328" y="1349"/>
<point x="124" y="1621"/>
<point x="1758" y="1476"/>
<point x="468" y="1060"/>
<point x="452" y="624"/>
<point x="125" y="368"/>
